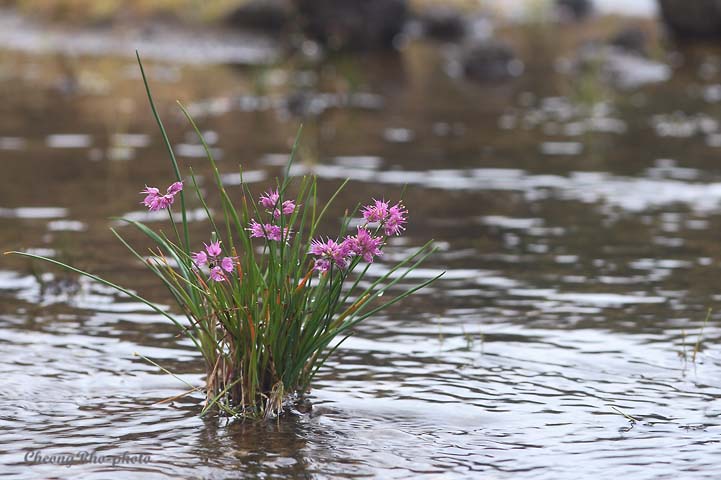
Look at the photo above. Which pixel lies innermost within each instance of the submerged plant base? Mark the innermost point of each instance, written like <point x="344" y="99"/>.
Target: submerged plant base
<point x="272" y="406"/>
<point x="228" y="393"/>
<point x="266" y="298"/>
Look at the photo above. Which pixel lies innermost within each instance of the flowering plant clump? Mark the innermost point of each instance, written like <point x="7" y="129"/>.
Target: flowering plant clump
<point x="267" y="299"/>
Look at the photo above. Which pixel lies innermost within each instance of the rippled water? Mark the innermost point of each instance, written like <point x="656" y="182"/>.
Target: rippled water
<point x="580" y="238"/>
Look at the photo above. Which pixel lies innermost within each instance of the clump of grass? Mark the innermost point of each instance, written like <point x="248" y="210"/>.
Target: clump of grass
<point x="631" y="419"/>
<point x="267" y="300"/>
<point x="699" y="341"/>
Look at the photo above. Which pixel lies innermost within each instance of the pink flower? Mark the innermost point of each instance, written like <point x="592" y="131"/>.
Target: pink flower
<point x="213" y="249"/>
<point x="395" y="223"/>
<point x="364" y="244"/>
<point x="270" y="199"/>
<point x="268" y="231"/>
<point x="155" y="201"/>
<point x="175" y="188"/>
<point x="151" y="193"/>
<point x="200" y="258"/>
<point x="209" y="257"/>
<point x="217" y="274"/>
<point x="330" y="253"/>
<point x="322" y="265"/>
<point x="376" y="212"/>
<point x="164" y="202"/>
<point x="227" y="264"/>
<point x="288" y="209"/>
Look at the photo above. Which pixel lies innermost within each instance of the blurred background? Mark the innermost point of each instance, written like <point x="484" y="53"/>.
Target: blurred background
<point x="563" y="154"/>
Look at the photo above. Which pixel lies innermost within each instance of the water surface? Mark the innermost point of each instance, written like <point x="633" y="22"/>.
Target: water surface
<point x="578" y="225"/>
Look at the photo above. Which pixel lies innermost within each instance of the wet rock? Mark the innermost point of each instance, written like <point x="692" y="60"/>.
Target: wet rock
<point x="622" y="60"/>
<point x="303" y="406"/>
<point x="490" y="61"/>
<point x="575" y="9"/>
<point x="265" y="15"/>
<point x="632" y="71"/>
<point x="353" y="24"/>
<point x="442" y="22"/>
<point x="310" y="104"/>
<point x="632" y="40"/>
<point x="692" y="18"/>
<point x="307" y="104"/>
<point x="623" y="68"/>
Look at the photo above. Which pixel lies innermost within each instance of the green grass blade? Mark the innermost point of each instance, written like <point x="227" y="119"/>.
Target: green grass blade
<point x="169" y="148"/>
<point x="98" y="279"/>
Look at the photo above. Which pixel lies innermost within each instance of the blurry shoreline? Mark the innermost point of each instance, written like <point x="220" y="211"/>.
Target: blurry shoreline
<point x="208" y="38"/>
<point x="161" y="40"/>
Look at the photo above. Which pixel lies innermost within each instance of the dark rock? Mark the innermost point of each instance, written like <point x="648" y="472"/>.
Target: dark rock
<point x="265" y="15"/>
<point x="307" y="104"/>
<point x="353" y="24"/>
<point x="490" y="61"/>
<point x="631" y="39"/>
<point x="692" y="18"/>
<point x="575" y="9"/>
<point x="443" y="23"/>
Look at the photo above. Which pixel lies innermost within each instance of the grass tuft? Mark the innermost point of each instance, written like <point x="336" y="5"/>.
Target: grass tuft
<point x="266" y="298"/>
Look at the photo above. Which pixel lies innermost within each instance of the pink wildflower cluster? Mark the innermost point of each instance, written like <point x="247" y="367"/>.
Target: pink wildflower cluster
<point x="219" y="268"/>
<point x="269" y="231"/>
<point x="363" y="244"/>
<point x="391" y="218"/>
<point x="334" y="253"/>
<point x="330" y="253"/>
<point x="155" y="201"/>
<point x="270" y="201"/>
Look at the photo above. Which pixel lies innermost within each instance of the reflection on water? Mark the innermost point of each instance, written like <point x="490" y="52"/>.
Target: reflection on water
<point x="579" y="236"/>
